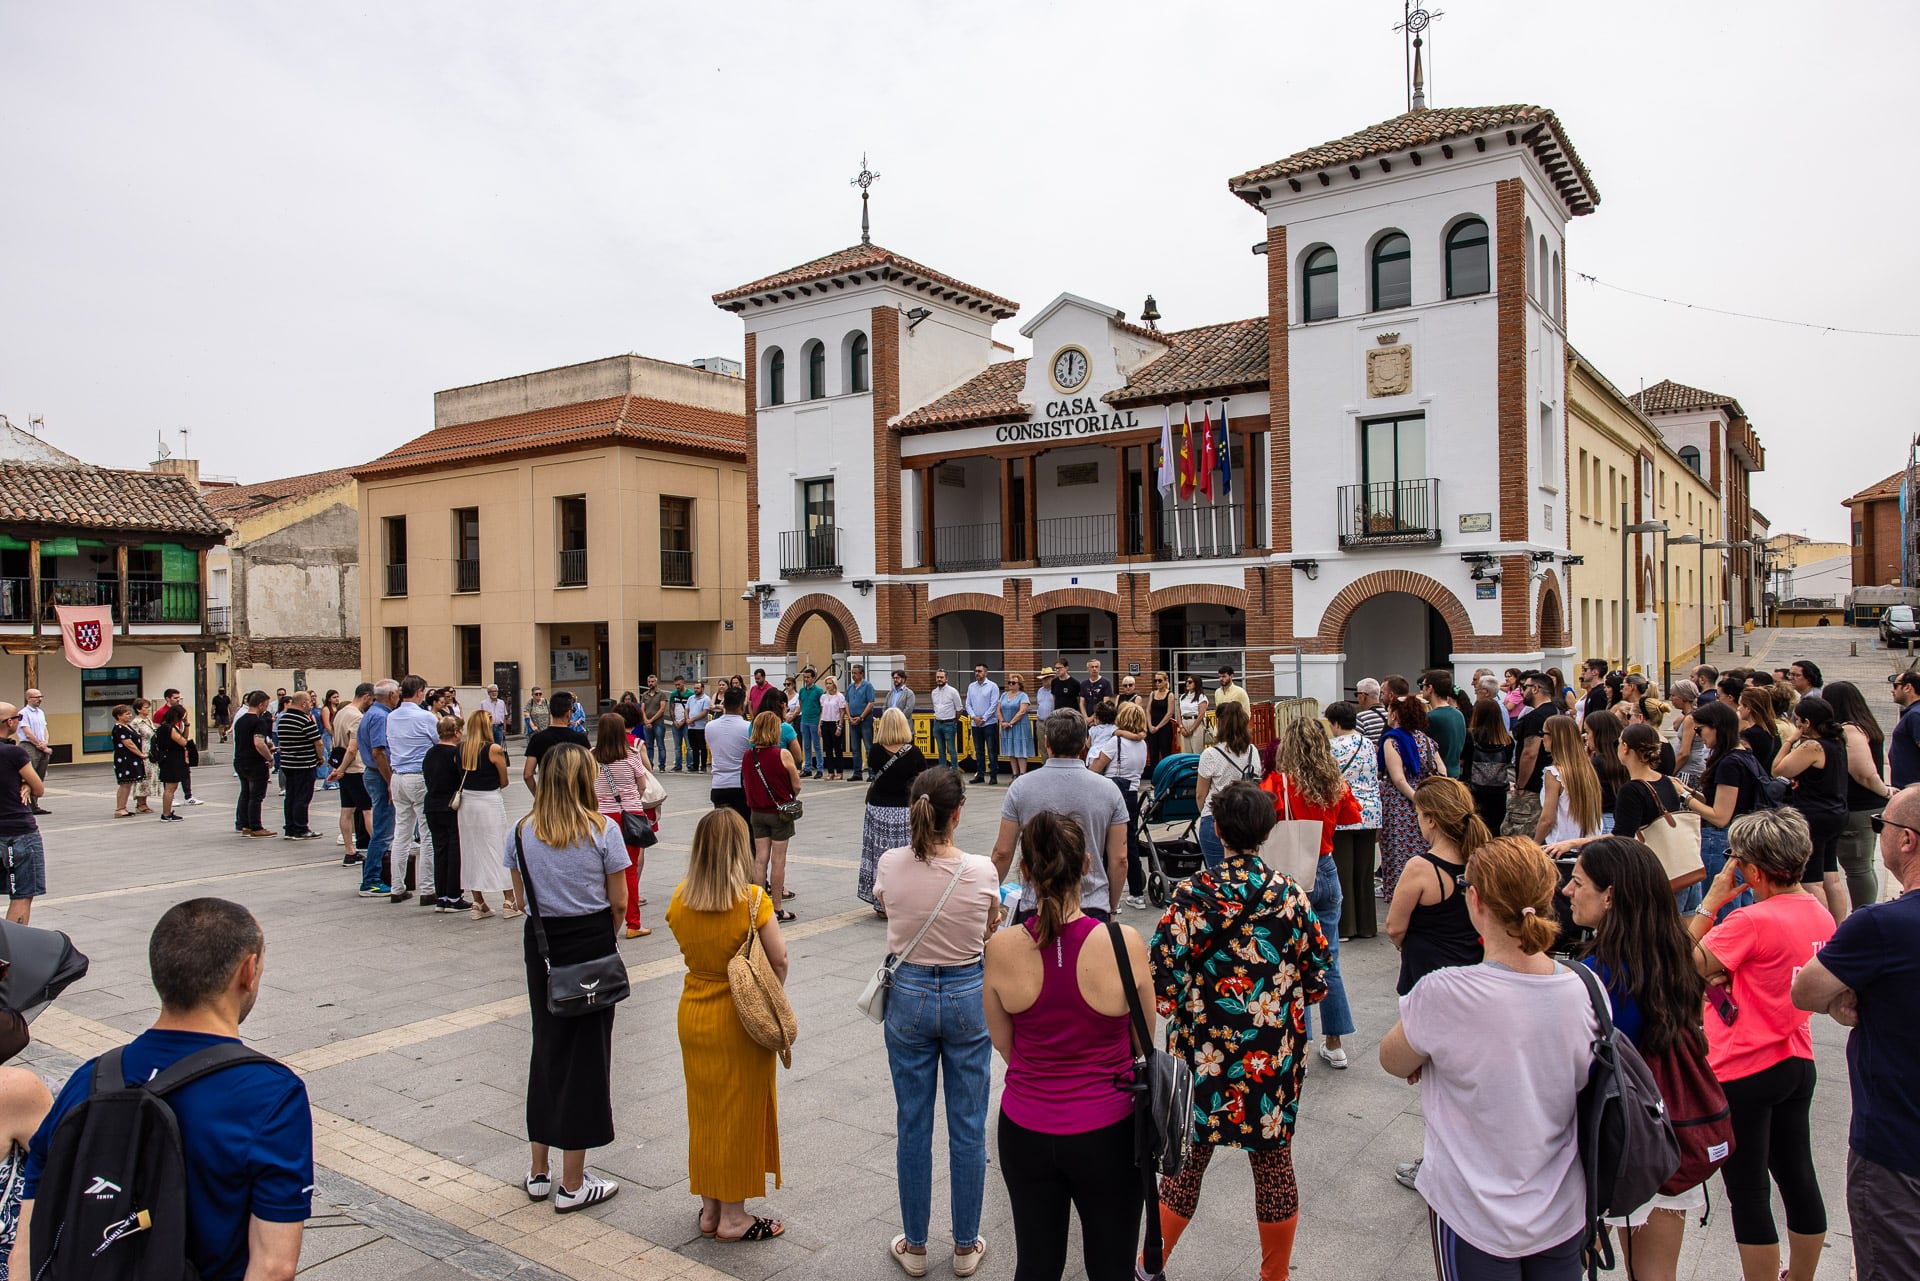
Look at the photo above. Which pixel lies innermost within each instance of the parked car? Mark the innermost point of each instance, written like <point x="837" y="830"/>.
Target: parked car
<point x="1898" y="625"/>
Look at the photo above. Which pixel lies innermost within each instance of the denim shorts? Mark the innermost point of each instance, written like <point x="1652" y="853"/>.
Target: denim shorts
<point x="25" y="861"/>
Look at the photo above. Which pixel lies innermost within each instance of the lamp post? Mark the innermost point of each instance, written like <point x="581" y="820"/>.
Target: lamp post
<point x="1641" y="527"/>
<point x="1726" y="583"/>
<point x="1700" y="584"/>
<point x="1685" y="540"/>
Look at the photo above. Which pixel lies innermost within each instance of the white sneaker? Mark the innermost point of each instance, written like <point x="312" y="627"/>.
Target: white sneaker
<point x="195" y="800"/>
<point x="592" y="1190"/>
<point x="539" y="1186"/>
<point x="339" y="840"/>
<point x="1336" y="1057"/>
<point x="1138" y="902"/>
<point x="1407" y="1174"/>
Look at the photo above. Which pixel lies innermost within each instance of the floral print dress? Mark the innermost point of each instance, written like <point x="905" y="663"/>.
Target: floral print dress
<point x="1236" y="961"/>
<point x="1400" y="839"/>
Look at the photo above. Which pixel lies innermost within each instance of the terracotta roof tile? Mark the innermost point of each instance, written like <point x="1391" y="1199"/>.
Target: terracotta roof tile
<point x="1668" y="395"/>
<point x="1427" y="128"/>
<point x="245" y="500"/>
<point x="630" y="420"/>
<point x="859" y="258"/>
<point x="990" y="396"/>
<point x="1888" y="488"/>
<point x="1206" y="360"/>
<point x="100" y="498"/>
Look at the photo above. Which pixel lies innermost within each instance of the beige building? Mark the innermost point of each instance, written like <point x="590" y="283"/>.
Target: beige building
<point x="1622" y="473"/>
<point x="582" y="523"/>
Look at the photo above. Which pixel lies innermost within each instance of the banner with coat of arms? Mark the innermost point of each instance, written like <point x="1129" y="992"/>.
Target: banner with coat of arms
<point x="87" y="633"/>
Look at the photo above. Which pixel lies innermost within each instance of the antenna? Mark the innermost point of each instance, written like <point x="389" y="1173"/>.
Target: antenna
<point x="186" y="442"/>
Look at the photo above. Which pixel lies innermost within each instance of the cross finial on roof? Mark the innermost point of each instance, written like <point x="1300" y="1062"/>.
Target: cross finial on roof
<point x="863" y="180"/>
<point x="1416" y="21"/>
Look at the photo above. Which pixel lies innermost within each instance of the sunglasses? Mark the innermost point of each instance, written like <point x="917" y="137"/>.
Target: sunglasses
<point x="1882" y="822"/>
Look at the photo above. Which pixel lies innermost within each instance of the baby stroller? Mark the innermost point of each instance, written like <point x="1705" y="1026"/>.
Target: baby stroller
<point x="1173" y="853"/>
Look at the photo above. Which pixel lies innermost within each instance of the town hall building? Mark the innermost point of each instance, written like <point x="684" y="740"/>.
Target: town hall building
<point x="1392" y="487"/>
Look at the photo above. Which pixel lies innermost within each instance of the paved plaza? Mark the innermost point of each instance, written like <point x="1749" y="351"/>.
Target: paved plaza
<point x="410" y="1027"/>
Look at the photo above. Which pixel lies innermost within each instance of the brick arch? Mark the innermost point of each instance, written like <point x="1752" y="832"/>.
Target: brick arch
<point x="978" y="602"/>
<point x="1075" y="598"/>
<point x="1333" y="624"/>
<point x="1197" y="594"/>
<point x="796" y="613"/>
<point x="1562" y="635"/>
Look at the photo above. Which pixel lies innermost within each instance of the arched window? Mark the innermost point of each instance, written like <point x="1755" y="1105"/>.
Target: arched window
<point x="1319" y="288"/>
<point x="1544" y="296"/>
<point x="1691" y="457"/>
<point x="776" y="377"/>
<point x="1392" y="272"/>
<point x="1554" y="282"/>
<point x="1467" y="271"/>
<point x="816" y="352"/>
<point x="857" y="362"/>
<point x="1526" y="257"/>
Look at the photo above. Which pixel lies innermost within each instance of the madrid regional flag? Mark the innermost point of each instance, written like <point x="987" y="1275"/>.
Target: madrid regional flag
<point x="87" y="633"/>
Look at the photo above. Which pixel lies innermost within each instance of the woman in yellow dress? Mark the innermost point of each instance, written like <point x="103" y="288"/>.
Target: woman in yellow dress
<point x="733" y="1123"/>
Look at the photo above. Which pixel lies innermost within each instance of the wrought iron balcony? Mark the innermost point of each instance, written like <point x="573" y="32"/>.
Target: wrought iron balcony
<point x="149" y="602"/>
<point x="573" y="567"/>
<point x="220" y="619"/>
<point x="396" y="580"/>
<point x="1078" y="540"/>
<point x="77" y="591"/>
<point x="1204" y="532"/>
<point x="676" y="568"/>
<point x="1390" y="513"/>
<point x="466" y="575"/>
<point x="957" y="548"/>
<point x="810" y="553"/>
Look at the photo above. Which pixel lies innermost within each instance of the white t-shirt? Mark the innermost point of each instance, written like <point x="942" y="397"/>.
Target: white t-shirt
<point x="1129" y="757"/>
<point x="1225" y="767"/>
<point x="1508" y="1055"/>
<point x="727" y="748"/>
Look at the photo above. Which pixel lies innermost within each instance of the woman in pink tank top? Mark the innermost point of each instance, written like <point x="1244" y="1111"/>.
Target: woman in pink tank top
<point x="1057" y="1011"/>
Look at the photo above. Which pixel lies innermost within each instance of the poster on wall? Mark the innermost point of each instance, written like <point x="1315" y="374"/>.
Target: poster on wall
<point x="571" y="666"/>
<point x="683" y="664"/>
<point x="100" y="689"/>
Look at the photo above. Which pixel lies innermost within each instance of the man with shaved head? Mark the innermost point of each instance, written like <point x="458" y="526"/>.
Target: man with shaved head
<point x="1868" y="978"/>
<point x="21" y="852"/>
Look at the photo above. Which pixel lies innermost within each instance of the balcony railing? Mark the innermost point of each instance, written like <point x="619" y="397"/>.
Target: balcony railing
<point x="1077" y="540"/>
<point x="466" y="575"/>
<point x="150" y="602"/>
<point x="810" y="553"/>
<point x="1390" y="512"/>
<point x="77" y="591"/>
<point x="16" y="600"/>
<point x="573" y="567"/>
<point x="396" y="580"/>
<point x="1204" y="532"/>
<point x="220" y="619"/>
<point x="676" y="568"/>
<point x="958" y="548"/>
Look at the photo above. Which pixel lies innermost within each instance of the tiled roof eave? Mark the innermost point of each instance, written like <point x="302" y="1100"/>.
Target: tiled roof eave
<point x="1183" y="395"/>
<point x="983" y="416"/>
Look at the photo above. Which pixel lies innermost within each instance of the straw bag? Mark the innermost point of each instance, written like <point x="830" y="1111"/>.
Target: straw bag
<point x="1675" y="841"/>
<point x="1292" y="848"/>
<point x="757" y="993"/>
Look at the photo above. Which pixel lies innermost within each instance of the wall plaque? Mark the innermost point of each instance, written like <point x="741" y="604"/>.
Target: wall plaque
<point x="1484" y="591"/>
<point x="1077" y="474"/>
<point x="1390" y="371"/>
<point x="1476" y="523"/>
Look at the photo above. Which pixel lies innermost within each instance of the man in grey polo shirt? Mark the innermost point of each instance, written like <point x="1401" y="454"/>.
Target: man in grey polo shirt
<point x="1064" y="785"/>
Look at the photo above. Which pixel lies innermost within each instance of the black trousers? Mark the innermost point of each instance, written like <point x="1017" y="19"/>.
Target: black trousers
<point x="297" y="799"/>
<point x="1136" y="865"/>
<point x="696" y="748"/>
<point x="253" y="792"/>
<point x="444" y="828"/>
<point x="732" y="798"/>
<point x="1051" y="1177"/>
<point x="1772" y="1136"/>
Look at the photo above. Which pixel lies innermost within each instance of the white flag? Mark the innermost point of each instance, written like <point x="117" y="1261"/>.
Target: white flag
<point x="1166" y="452"/>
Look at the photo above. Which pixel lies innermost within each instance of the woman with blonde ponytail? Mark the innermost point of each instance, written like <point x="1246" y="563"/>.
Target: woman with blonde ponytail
<point x="941" y="904"/>
<point x="1500" y="1051"/>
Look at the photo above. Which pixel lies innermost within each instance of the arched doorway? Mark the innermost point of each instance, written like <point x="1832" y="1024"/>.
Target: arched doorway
<point x="816" y="631"/>
<point x="1395" y="634"/>
<point x="1194" y="640"/>
<point x="1076" y="635"/>
<point x="965" y="637"/>
<point x="1552" y="625"/>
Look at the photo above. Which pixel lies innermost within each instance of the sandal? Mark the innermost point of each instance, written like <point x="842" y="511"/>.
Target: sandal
<point x="510" y="910"/>
<point x="700" y="1221"/>
<point x="641" y="901"/>
<point x="638" y="932"/>
<point x="787" y="893"/>
<point x="783" y="916"/>
<point x="481" y="911"/>
<point x="762" y="1230"/>
<point x="123" y="813"/>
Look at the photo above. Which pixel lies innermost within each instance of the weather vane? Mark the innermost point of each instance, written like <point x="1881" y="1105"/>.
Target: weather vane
<point x="1415" y="21"/>
<point x="863" y="180"/>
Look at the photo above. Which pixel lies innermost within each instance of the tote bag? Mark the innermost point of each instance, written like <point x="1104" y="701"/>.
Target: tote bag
<point x="1292" y="848"/>
<point x="1675" y="841"/>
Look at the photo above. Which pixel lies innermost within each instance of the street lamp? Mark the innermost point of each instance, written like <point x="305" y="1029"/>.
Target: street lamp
<point x="1643" y="527"/>
<point x="1700" y="585"/>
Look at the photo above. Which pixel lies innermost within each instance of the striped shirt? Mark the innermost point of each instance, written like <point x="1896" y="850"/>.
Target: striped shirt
<point x="297" y="736"/>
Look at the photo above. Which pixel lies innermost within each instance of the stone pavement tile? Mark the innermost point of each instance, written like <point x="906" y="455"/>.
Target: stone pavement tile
<point x="381" y="1260"/>
<point x="330" y="1237"/>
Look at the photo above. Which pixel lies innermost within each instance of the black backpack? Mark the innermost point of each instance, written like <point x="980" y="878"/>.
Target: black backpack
<point x="1627" y="1146"/>
<point x="112" y="1204"/>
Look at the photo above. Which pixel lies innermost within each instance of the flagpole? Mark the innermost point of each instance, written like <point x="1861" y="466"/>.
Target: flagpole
<point x="1226" y="443"/>
<point x="1213" y="505"/>
<point x="1166" y="466"/>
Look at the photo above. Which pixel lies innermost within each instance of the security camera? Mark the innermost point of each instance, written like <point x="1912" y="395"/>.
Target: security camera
<point x="747" y="595"/>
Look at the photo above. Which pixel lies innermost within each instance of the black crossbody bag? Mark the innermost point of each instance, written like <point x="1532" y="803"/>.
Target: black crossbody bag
<point x="585" y="987"/>
<point x="1162" y="1089"/>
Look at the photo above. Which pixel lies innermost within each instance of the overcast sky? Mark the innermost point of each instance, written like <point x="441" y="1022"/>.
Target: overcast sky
<point x="286" y="226"/>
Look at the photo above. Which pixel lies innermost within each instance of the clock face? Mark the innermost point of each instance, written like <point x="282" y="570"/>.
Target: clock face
<point x="1070" y="369"/>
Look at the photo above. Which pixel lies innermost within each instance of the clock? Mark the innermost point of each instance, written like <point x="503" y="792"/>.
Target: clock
<point x="1070" y="369"/>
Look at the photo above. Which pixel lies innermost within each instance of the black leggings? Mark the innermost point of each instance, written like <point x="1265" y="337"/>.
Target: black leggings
<point x="1093" y="1173"/>
<point x="1772" y="1135"/>
<point x="1136" y="866"/>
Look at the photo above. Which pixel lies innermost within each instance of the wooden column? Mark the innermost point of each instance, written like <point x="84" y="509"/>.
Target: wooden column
<point x="1033" y="508"/>
<point x="120" y="571"/>
<point x="33" y="673"/>
<point x="33" y="589"/>
<point x="927" y="486"/>
<point x="1122" y="545"/>
<point x="1006" y="510"/>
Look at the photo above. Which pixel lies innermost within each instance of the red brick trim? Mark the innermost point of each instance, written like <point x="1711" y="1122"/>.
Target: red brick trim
<point x="1279" y="406"/>
<point x="1510" y="266"/>
<point x="1075" y="598"/>
<point x="797" y="612"/>
<point x="885" y="355"/>
<point x="963" y="601"/>
<point x="1333" y="624"/>
<point x="752" y="363"/>
<point x="1196" y="594"/>
<point x="1557" y="637"/>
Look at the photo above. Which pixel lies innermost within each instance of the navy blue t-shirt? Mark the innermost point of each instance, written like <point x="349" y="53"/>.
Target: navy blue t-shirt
<point x="247" y="1132"/>
<point x="1903" y="747"/>
<point x="1627" y="1019"/>
<point x="1876" y="952"/>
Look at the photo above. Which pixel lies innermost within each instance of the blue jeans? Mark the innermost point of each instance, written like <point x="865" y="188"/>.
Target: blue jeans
<point x="499" y="735"/>
<point x="946" y="742"/>
<point x="862" y="736"/>
<point x="657" y="743"/>
<point x="1713" y="852"/>
<point x="380" y="837"/>
<point x="936" y="1023"/>
<point x="810" y="757"/>
<point x="1211" y="850"/>
<point x="1326" y="899"/>
<point x="986" y="751"/>
<point x="323" y="769"/>
<point x="680" y="753"/>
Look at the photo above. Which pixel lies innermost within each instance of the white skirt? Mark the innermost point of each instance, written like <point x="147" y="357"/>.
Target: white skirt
<point x="483" y="836"/>
<point x="1694" y="1199"/>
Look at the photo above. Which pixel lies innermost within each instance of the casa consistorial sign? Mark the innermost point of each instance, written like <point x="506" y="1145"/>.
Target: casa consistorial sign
<point x="1077" y="416"/>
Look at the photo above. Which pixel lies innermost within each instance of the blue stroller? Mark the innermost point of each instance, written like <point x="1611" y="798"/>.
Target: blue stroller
<point x="1173" y="853"/>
